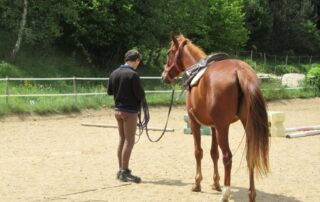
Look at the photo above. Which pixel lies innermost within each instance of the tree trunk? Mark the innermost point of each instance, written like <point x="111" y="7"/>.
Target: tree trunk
<point x="20" y="34"/>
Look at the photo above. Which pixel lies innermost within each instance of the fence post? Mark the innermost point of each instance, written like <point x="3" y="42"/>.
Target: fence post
<point x="75" y="89"/>
<point x="7" y="90"/>
<point x="310" y="59"/>
<point x="264" y="58"/>
<point x="286" y="59"/>
<point x="299" y="60"/>
<point x="251" y="55"/>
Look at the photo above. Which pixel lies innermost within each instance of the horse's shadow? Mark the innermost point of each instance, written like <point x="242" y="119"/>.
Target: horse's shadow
<point x="241" y="194"/>
<point x="237" y="193"/>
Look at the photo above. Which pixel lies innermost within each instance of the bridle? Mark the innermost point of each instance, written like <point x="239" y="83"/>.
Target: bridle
<point x="177" y="63"/>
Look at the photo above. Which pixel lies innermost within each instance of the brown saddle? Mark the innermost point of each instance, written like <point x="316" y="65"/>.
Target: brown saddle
<point x="193" y="71"/>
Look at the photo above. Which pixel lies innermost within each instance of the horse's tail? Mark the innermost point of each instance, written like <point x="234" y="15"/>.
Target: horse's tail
<point x="256" y="122"/>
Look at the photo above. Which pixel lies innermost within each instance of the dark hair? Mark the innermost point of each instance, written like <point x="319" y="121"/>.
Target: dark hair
<point x="132" y="55"/>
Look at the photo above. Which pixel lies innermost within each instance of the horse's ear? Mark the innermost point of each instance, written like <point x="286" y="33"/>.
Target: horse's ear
<point x="174" y="39"/>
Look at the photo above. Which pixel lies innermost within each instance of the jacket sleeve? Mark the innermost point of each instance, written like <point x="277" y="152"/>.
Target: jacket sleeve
<point x="138" y="88"/>
<point x="110" y="87"/>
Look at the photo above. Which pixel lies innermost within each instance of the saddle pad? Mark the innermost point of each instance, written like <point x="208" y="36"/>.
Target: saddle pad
<point x="197" y="77"/>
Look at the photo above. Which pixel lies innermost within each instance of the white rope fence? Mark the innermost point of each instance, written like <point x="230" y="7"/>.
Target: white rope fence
<point x="75" y="94"/>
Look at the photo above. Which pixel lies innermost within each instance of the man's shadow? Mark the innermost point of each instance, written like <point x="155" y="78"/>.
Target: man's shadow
<point x="167" y="182"/>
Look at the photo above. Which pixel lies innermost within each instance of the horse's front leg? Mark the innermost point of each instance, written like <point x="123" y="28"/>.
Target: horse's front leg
<point x="195" y="127"/>
<point x="215" y="157"/>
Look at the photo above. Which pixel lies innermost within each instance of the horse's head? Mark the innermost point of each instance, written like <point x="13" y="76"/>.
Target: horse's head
<point x="181" y="54"/>
<point x="174" y="66"/>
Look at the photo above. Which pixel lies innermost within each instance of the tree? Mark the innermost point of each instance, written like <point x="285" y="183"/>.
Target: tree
<point x="259" y="22"/>
<point x="224" y="28"/>
<point x="293" y="30"/>
<point x="20" y="34"/>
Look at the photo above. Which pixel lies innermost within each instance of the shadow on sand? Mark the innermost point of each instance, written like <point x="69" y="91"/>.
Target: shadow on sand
<point x="167" y="182"/>
<point x="241" y="194"/>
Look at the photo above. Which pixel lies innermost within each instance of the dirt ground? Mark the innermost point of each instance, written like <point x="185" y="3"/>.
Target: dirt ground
<point x="55" y="158"/>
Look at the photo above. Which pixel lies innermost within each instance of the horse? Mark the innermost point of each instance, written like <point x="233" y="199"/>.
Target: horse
<point x="228" y="91"/>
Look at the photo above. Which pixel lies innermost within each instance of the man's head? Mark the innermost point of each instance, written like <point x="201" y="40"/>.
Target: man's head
<point x="133" y="58"/>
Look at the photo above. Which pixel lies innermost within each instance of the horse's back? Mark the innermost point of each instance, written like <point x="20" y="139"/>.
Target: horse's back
<point x="230" y="65"/>
<point x="223" y="74"/>
<point x="226" y="72"/>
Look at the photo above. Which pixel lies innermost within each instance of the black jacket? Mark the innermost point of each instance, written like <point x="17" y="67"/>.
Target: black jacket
<point x="126" y="88"/>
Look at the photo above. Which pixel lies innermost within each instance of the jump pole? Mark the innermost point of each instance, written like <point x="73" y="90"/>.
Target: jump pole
<point x="305" y="128"/>
<point x="115" y="126"/>
<point x="303" y="134"/>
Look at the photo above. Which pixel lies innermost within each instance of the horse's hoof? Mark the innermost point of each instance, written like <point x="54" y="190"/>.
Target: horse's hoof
<point x="223" y="199"/>
<point x="225" y="194"/>
<point x="196" y="188"/>
<point x="216" y="187"/>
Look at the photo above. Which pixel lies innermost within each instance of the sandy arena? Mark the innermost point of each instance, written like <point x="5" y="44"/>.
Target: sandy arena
<point x="54" y="158"/>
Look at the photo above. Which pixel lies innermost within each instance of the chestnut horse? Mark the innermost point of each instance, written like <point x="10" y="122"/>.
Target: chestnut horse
<point x="228" y="91"/>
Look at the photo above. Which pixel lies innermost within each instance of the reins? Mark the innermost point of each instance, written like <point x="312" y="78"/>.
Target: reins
<point x="143" y="124"/>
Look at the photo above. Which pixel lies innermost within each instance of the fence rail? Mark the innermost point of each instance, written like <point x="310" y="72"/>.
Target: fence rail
<point x="76" y="94"/>
<point x="265" y="58"/>
<point x="73" y="94"/>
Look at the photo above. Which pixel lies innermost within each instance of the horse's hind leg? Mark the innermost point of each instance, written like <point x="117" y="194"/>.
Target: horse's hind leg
<point x="222" y="137"/>
<point x="215" y="157"/>
<point x="197" y="152"/>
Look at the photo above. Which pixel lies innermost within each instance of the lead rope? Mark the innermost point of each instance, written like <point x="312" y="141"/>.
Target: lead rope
<point x="143" y="125"/>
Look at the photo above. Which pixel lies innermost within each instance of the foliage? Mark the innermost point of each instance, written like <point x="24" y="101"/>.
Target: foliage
<point x="101" y="31"/>
<point x="314" y="76"/>
<point x="9" y="70"/>
<point x="284" y="69"/>
<point x="293" y="27"/>
<point x="259" y="22"/>
<point x="224" y="26"/>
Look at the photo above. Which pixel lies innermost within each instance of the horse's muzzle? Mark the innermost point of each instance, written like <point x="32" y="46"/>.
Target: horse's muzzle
<point x="165" y="77"/>
<point x="168" y="80"/>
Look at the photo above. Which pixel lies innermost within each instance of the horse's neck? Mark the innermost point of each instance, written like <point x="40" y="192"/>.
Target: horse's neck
<point x="192" y="57"/>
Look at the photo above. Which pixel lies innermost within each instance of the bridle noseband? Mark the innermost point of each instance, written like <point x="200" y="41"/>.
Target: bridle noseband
<point x="177" y="63"/>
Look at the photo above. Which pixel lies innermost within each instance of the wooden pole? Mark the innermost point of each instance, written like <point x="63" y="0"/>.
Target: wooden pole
<point x="303" y="134"/>
<point x="7" y="90"/>
<point x="304" y="128"/>
<point x="75" y="89"/>
<point x="115" y="126"/>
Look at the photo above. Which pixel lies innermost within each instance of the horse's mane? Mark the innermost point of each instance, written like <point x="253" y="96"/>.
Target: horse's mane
<point x="196" y="50"/>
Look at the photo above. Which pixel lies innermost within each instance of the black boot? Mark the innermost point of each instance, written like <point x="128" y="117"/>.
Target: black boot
<point x="125" y="176"/>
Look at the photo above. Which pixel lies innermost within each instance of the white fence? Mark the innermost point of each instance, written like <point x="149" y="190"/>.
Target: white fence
<point x="264" y="58"/>
<point x="74" y="79"/>
<point x="75" y="94"/>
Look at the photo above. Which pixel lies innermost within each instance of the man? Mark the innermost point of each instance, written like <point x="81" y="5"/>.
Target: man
<point x="126" y="88"/>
